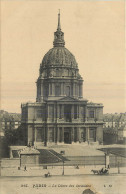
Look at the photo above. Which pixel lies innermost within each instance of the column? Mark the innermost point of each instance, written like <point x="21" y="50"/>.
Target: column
<point x="47" y="134"/>
<point x="49" y="90"/>
<point x="87" y="133"/>
<point x="78" y="109"/>
<point x="54" y="133"/>
<point x="72" y="112"/>
<point x="77" y="90"/>
<point x="62" y="111"/>
<point x="73" y="89"/>
<point x="63" y="90"/>
<point x="96" y="134"/>
<point x="86" y="114"/>
<point x="72" y="134"/>
<point x="78" y="134"/>
<point x="107" y="165"/>
<point x="80" y="115"/>
<point x="41" y="89"/>
<point x="63" y="134"/>
<point x="80" y="91"/>
<point x="30" y="135"/>
<point x="47" y="112"/>
<point x="35" y="134"/>
<point x="58" y="111"/>
<point x="53" y="89"/>
<point x="57" y="134"/>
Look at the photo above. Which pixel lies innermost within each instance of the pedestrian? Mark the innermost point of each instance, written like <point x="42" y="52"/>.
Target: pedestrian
<point x="108" y="166"/>
<point x="25" y="168"/>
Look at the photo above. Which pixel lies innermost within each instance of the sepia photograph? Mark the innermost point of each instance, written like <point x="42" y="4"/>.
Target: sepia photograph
<point x="63" y="97"/>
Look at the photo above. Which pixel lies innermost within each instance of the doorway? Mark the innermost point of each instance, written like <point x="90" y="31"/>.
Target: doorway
<point x="67" y="139"/>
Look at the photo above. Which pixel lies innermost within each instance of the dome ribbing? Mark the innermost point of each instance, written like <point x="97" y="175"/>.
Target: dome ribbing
<point x="59" y="56"/>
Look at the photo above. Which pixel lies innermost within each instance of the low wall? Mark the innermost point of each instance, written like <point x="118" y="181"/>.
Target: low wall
<point x="8" y="162"/>
<point x="83" y="161"/>
<point x="15" y="148"/>
<point x="86" y="160"/>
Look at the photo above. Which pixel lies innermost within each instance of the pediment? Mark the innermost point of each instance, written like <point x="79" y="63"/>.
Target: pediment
<point x="68" y="99"/>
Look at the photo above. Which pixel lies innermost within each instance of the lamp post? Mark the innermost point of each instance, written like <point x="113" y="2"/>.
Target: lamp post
<point x="118" y="168"/>
<point x="63" y="168"/>
<point x="107" y="159"/>
<point x="20" y="160"/>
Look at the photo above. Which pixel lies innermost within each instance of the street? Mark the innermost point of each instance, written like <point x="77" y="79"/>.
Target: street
<point x="105" y="184"/>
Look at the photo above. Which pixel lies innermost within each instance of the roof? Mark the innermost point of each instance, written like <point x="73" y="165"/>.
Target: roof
<point x="117" y="117"/>
<point x="66" y="99"/>
<point x="29" y="150"/>
<point x="115" y="150"/>
<point x="59" y="56"/>
<point x="122" y="128"/>
<point x="92" y="104"/>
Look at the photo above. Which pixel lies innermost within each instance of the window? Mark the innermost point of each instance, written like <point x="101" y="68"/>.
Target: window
<point x="76" y="88"/>
<point x="51" y="111"/>
<point x="46" y="90"/>
<point x="57" y="90"/>
<point x="67" y="113"/>
<point x="91" y="114"/>
<point x="67" y="91"/>
<point x="75" y="111"/>
<point x="92" y="133"/>
<point x="82" y="135"/>
<point x="51" y="134"/>
<point x="38" y="134"/>
<point x="50" y="89"/>
<point x="80" y="90"/>
<point x="39" y="113"/>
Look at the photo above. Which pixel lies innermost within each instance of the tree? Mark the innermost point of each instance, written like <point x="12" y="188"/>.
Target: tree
<point x="15" y="137"/>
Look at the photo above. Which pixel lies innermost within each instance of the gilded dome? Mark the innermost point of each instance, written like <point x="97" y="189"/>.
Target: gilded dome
<point x="59" y="56"/>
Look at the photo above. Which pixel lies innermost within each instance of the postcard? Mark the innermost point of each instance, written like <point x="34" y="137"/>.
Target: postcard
<point x="63" y="108"/>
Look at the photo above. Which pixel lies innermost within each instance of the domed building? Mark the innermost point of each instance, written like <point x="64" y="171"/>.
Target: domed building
<point x="60" y="114"/>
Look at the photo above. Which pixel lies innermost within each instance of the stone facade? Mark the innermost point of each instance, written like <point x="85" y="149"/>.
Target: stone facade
<point x="61" y="114"/>
<point x="29" y="156"/>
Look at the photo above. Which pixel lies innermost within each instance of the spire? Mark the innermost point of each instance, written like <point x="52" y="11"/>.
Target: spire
<point x="58" y="35"/>
<point x="59" y="26"/>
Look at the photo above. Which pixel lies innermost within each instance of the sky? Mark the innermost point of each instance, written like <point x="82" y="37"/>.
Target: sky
<point x="94" y="33"/>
